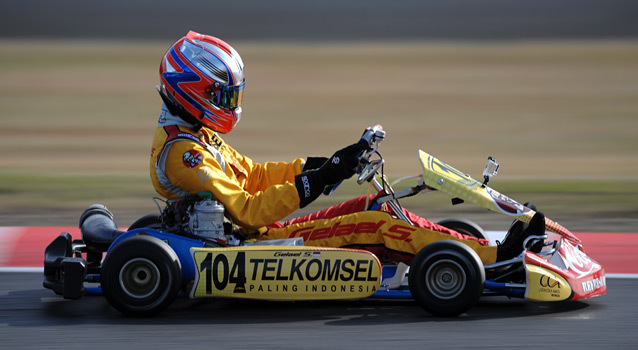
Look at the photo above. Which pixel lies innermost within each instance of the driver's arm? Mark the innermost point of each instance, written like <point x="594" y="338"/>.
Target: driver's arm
<point x="270" y="198"/>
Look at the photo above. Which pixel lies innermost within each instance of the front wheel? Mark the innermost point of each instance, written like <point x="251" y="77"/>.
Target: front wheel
<point x="141" y="276"/>
<point x="446" y="278"/>
<point x="464" y="226"/>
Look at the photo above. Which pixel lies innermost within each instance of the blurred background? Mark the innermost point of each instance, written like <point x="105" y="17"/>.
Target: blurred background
<point x="548" y="88"/>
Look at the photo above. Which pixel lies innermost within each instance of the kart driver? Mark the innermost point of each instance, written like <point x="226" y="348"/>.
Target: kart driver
<point x="201" y="86"/>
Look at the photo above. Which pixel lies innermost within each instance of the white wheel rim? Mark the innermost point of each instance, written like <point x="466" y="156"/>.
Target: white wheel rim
<point x="445" y="279"/>
<point x="139" y="278"/>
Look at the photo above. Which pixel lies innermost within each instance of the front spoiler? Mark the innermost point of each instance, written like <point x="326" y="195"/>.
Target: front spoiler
<point x="569" y="274"/>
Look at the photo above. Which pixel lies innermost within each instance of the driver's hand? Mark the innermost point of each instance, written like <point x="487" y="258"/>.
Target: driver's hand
<point x="314" y="163"/>
<point x="343" y="164"/>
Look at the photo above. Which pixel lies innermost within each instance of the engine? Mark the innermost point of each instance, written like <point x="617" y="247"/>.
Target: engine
<point x="201" y="217"/>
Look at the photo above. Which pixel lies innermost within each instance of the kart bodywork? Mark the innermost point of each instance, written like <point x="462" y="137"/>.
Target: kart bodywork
<point x="143" y="270"/>
<point x="281" y="270"/>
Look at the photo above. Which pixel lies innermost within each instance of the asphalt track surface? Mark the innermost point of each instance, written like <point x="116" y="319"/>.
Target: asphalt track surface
<point x="32" y="317"/>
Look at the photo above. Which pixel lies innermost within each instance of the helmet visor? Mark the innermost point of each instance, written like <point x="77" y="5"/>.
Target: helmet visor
<point x="227" y="97"/>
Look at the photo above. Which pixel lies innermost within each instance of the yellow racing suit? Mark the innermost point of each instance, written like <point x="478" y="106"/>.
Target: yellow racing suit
<point x="257" y="196"/>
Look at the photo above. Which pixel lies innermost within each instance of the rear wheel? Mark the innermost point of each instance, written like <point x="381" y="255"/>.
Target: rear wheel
<point x="141" y="276"/>
<point x="446" y="278"/>
<point x="464" y="226"/>
<point x="148" y="221"/>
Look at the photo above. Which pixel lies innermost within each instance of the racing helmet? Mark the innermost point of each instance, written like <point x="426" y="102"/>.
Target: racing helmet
<point x="202" y="81"/>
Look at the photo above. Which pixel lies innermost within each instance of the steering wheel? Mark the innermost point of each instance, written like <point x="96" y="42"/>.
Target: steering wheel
<point x="367" y="173"/>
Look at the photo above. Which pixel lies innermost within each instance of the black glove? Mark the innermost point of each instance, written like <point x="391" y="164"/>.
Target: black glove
<point x="313" y="163"/>
<point x="342" y="165"/>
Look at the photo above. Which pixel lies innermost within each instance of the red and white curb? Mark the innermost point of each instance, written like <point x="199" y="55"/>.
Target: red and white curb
<point x="22" y="248"/>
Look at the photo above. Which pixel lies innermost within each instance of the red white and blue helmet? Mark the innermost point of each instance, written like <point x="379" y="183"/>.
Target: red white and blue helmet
<point x="202" y="77"/>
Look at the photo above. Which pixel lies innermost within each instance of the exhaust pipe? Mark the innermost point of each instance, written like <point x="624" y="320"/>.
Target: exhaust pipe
<point x="98" y="228"/>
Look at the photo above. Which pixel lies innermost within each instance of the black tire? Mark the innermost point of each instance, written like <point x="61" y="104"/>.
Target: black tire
<point x="141" y="276"/>
<point x="446" y="278"/>
<point x="464" y="226"/>
<point x="147" y="221"/>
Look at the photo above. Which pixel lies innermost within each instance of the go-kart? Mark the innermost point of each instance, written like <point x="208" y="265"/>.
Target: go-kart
<point x="190" y="248"/>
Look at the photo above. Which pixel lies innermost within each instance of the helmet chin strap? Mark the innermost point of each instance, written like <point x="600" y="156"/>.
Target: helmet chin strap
<point x="180" y="116"/>
<point x="169" y="118"/>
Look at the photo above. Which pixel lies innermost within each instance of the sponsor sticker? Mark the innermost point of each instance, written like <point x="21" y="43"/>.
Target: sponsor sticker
<point x="576" y="260"/>
<point x="192" y="158"/>
<point x="506" y="204"/>
<point x="286" y="274"/>
<point x="546" y="285"/>
<point x="594" y="284"/>
<point x="397" y="231"/>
